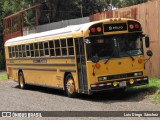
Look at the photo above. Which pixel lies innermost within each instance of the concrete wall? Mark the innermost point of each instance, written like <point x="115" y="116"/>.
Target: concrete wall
<point x="62" y="24"/>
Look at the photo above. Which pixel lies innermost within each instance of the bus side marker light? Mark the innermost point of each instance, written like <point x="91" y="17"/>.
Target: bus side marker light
<point x="119" y="19"/>
<point x="98" y="66"/>
<point x="115" y="19"/>
<point x="140" y="61"/>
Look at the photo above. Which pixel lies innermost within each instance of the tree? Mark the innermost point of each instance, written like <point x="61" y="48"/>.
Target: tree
<point x="56" y="10"/>
<point x="126" y="3"/>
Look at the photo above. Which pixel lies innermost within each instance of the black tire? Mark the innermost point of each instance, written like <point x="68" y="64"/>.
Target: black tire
<point x="21" y="81"/>
<point x="70" y="86"/>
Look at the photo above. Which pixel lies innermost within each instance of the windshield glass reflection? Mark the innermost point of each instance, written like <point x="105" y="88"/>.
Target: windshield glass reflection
<point x="116" y="46"/>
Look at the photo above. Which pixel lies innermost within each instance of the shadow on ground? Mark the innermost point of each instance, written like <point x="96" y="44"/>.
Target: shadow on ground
<point x="131" y="94"/>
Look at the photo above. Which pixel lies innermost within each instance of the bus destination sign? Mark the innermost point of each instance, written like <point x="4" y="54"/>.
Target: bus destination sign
<point x="115" y="27"/>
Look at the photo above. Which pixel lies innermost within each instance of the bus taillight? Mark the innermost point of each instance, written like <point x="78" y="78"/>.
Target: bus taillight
<point x="93" y="30"/>
<point x="134" y="26"/>
<point x="137" y="26"/>
<point x="96" y="29"/>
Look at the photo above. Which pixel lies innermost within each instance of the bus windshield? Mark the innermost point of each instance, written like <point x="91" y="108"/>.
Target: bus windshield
<point x="114" y="46"/>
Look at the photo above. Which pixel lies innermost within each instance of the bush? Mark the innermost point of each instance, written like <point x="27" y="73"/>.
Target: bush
<point x="2" y="61"/>
<point x="2" y="58"/>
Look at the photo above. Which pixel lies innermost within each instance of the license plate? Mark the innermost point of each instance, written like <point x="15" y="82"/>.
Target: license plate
<point x="122" y="84"/>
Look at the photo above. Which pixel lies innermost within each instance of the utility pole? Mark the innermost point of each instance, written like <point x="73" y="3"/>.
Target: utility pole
<point x="82" y="10"/>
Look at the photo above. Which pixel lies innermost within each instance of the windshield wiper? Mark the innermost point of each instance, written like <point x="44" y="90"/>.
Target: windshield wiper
<point x="107" y="60"/>
<point x="130" y="56"/>
<point x="110" y="57"/>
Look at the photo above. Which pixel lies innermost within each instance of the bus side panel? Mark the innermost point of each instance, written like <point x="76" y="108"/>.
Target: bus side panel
<point x="75" y="77"/>
<point x="48" y="78"/>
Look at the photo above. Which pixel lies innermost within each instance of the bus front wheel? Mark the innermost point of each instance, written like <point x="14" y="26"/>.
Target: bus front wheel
<point x="70" y="86"/>
<point x="21" y="81"/>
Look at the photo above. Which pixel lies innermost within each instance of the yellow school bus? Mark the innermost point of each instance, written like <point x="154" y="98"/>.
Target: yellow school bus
<point x="86" y="58"/>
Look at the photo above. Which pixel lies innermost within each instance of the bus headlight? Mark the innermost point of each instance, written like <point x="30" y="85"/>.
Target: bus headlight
<point x="138" y="74"/>
<point x="102" y="78"/>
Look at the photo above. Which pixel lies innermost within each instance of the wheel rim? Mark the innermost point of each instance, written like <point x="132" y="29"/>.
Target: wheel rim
<point x="21" y="81"/>
<point x="70" y="86"/>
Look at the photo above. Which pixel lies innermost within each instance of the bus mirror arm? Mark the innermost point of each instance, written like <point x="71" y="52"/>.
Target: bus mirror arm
<point x="143" y="35"/>
<point x="93" y="73"/>
<point x="147" y="60"/>
<point x="150" y="54"/>
<point x="95" y="59"/>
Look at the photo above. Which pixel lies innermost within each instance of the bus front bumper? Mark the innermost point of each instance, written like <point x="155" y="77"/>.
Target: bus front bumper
<point x="119" y="84"/>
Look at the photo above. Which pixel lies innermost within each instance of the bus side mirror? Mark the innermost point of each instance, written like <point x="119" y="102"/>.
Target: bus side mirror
<point x="95" y="59"/>
<point x="149" y="53"/>
<point x="147" y="42"/>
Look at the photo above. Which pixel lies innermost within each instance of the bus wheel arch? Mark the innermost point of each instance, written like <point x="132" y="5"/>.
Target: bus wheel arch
<point x="69" y="85"/>
<point x="21" y="80"/>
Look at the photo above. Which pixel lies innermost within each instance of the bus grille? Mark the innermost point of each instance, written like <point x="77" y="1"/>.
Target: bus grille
<point x="118" y="76"/>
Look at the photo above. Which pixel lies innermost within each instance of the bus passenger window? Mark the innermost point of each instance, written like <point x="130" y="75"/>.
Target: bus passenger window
<point x="51" y="47"/>
<point x="16" y="51"/>
<point x="23" y="51"/>
<point x="10" y="52"/>
<point x="20" y="50"/>
<point x="41" y="49"/>
<point x="28" y="50"/>
<point x="70" y="46"/>
<point x="32" y="50"/>
<point x="57" y="48"/>
<point x="36" y="50"/>
<point x="63" y="47"/>
<point x="13" y="52"/>
<point x="46" y="50"/>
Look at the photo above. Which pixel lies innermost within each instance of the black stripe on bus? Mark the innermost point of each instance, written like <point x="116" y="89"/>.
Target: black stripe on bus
<point x="38" y="69"/>
<point x="42" y="64"/>
<point x="69" y="57"/>
<point x="67" y="70"/>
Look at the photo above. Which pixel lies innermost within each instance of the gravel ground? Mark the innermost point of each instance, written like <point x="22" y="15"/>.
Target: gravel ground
<point x="45" y="99"/>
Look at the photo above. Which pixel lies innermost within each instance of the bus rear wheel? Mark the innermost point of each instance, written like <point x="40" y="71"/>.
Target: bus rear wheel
<point x="70" y="86"/>
<point x="21" y="81"/>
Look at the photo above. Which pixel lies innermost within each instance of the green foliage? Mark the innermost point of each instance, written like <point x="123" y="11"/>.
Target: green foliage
<point x="126" y="3"/>
<point x="3" y="77"/>
<point x="2" y="59"/>
<point x="60" y="9"/>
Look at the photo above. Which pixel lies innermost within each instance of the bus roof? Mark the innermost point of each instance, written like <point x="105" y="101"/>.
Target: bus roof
<point x="68" y="29"/>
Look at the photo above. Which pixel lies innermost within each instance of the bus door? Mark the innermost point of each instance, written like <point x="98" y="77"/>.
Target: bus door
<point x="81" y="65"/>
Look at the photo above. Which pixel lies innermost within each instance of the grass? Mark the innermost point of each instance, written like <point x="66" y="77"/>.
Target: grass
<point x="155" y="82"/>
<point x="152" y="89"/>
<point x="3" y="77"/>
